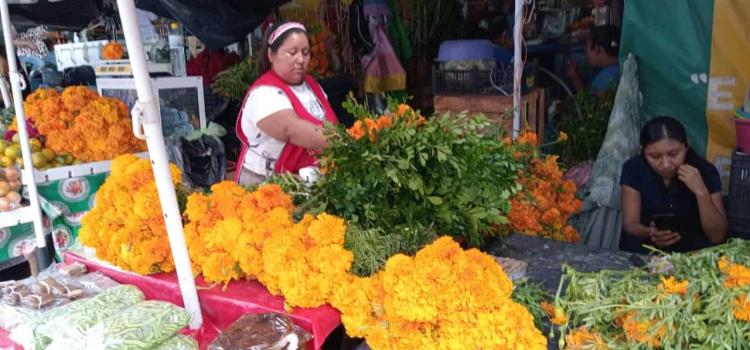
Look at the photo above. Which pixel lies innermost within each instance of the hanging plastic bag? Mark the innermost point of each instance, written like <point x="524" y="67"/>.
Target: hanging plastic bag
<point x="174" y="154"/>
<point x="271" y="331"/>
<point x="204" y="156"/>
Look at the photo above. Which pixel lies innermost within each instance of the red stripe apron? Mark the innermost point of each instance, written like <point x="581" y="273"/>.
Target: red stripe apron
<point x="292" y="157"/>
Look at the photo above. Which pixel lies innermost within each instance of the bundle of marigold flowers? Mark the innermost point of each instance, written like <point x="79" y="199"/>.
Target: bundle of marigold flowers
<point x="702" y="302"/>
<point x="443" y="298"/>
<point x="126" y="226"/>
<point x="547" y="201"/>
<point x="82" y="123"/>
<point x="234" y="233"/>
<point x="226" y="229"/>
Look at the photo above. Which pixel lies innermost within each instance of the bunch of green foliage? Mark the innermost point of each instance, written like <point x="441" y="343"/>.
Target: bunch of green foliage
<point x="586" y="130"/>
<point x="234" y="81"/>
<point x="404" y="182"/>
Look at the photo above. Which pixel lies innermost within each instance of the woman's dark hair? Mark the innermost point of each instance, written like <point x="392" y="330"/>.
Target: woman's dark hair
<point x="607" y="37"/>
<point x="263" y="64"/>
<point x="661" y="128"/>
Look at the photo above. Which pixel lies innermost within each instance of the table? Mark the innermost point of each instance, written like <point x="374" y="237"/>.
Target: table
<point x="546" y="257"/>
<point x="222" y="305"/>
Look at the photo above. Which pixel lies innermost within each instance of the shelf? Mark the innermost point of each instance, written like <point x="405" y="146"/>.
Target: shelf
<point x="77" y="170"/>
<point x="16" y="217"/>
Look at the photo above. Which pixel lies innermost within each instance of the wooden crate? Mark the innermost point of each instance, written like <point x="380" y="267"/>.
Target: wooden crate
<point x="532" y="108"/>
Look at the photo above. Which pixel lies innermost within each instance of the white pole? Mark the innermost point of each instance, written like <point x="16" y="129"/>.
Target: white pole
<point x="517" y="65"/>
<point x="17" y="84"/>
<point x="146" y="116"/>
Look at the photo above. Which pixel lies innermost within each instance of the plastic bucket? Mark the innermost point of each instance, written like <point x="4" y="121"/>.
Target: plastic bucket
<point x="742" y="127"/>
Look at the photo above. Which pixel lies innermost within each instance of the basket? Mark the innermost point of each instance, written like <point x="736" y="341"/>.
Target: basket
<point x="738" y="210"/>
<point x="497" y="81"/>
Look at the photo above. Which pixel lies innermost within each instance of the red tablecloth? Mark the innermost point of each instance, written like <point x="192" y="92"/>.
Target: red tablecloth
<point x="222" y="306"/>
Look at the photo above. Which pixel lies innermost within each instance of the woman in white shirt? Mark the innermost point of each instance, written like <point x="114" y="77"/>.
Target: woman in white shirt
<point x="281" y="121"/>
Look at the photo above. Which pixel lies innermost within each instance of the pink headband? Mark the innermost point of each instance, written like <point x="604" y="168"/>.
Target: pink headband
<point x="283" y="28"/>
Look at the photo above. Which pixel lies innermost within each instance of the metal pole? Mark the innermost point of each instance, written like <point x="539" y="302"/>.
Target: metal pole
<point x="517" y="65"/>
<point x="17" y="84"/>
<point x="147" y="125"/>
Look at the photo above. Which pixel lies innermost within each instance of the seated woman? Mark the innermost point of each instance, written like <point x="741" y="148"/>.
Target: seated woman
<point x="602" y="50"/>
<point x="281" y="121"/>
<point x="669" y="179"/>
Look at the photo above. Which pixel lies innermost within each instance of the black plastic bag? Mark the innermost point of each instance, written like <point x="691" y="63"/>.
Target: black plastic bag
<point x="204" y="160"/>
<point x="216" y="23"/>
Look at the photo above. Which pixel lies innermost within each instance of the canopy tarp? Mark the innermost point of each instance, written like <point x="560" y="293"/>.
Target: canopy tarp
<point x="65" y="14"/>
<point x="216" y="23"/>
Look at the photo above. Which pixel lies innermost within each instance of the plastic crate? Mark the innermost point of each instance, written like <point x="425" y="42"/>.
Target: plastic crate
<point x="497" y="81"/>
<point x="738" y="210"/>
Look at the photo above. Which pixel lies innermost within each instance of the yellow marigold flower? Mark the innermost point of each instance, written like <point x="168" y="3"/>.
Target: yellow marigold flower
<point x="741" y="308"/>
<point x="583" y="339"/>
<point x="672" y="286"/>
<point x="126" y="226"/>
<point x="556" y="314"/>
<point x="563" y="136"/>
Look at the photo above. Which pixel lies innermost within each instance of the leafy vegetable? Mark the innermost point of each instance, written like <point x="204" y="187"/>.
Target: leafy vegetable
<point x="694" y="308"/>
<point x="234" y="81"/>
<point x="585" y="131"/>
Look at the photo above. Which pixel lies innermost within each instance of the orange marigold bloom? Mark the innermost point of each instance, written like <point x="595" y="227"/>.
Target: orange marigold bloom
<point x="527" y="137"/>
<point x="357" y="130"/>
<point x="372" y="129"/>
<point x="672" y="286"/>
<point x="402" y="109"/>
<point x="582" y="339"/>
<point x="741" y="308"/>
<point x="556" y="314"/>
<point x="384" y="122"/>
<point x="737" y="275"/>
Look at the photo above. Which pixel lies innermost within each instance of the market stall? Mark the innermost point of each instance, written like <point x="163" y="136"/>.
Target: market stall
<point x="412" y="230"/>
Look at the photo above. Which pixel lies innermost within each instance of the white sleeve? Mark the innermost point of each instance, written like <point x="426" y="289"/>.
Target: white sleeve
<point x="264" y="101"/>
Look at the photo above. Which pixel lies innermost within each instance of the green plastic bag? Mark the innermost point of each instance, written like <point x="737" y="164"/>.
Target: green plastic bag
<point x="69" y="326"/>
<point x="142" y="326"/>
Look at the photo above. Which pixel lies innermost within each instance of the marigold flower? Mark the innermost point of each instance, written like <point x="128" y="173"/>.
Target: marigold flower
<point x="384" y="122"/>
<point x="357" y="130"/>
<point x="672" y="286"/>
<point x="737" y="275"/>
<point x="583" y="339"/>
<point x="556" y="314"/>
<point x="126" y="226"/>
<point x="563" y="136"/>
<point x="741" y="308"/>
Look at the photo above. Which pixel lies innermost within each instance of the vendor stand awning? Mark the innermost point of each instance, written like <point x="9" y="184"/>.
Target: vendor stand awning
<point x="216" y="23"/>
<point x="63" y="14"/>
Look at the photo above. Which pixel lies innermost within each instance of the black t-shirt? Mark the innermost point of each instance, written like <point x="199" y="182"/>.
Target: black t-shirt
<point x="677" y="199"/>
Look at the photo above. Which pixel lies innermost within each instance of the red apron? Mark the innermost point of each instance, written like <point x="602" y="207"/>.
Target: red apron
<point x="292" y="157"/>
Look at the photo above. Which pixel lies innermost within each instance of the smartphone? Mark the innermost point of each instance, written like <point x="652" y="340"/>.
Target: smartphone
<point x="664" y="221"/>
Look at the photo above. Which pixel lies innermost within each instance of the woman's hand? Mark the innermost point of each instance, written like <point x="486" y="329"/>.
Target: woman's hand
<point x="691" y="177"/>
<point x="663" y="238"/>
<point x="571" y="68"/>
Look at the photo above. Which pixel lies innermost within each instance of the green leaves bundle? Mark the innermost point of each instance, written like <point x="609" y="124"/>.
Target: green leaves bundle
<point x="404" y="173"/>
